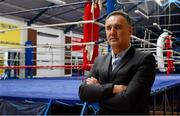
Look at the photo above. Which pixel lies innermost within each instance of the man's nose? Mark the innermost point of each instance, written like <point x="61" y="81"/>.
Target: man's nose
<point x="113" y="30"/>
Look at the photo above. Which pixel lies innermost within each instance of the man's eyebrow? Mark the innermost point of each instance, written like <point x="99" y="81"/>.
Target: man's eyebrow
<point x="113" y="25"/>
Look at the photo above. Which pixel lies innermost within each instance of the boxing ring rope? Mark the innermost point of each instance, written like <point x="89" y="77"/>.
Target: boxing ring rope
<point x="57" y="52"/>
<point x="44" y="67"/>
<point x="49" y="25"/>
<point x="40" y="60"/>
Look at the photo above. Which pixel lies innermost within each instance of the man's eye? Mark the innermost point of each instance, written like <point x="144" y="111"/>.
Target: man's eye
<point x="117" y="27"/>
<point x="108" y="28"/>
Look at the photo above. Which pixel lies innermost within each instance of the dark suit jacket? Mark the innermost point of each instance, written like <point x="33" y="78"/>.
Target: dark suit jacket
<point x="136" y="70"/>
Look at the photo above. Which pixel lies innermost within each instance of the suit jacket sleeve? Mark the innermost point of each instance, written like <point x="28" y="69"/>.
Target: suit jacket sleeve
<point x="138" y="88"/>
<point x="95" y="93"/>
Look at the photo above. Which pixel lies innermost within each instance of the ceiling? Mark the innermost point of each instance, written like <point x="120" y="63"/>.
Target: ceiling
<point x="37" y="12"/>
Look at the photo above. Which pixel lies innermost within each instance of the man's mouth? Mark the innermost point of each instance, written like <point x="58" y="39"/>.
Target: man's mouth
<point x="113" y="38"/>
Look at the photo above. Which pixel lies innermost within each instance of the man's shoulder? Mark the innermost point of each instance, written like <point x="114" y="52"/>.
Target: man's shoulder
<point x="144" y="55"/>
<point x="104" y="56"/>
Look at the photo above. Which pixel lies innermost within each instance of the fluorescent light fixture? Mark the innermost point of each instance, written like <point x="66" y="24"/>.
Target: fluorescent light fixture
<point x="158" y="2"/>
<point x="141" y="13"/>
<point x="59" y="2"/>
<point x="157" y="26"/>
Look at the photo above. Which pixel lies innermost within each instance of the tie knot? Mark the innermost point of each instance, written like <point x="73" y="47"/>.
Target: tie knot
<point x="115" y="62"/>
<point x="116" y="56"/>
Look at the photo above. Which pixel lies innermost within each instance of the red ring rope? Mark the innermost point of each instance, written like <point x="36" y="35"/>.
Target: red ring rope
<point x="45" y="67"/>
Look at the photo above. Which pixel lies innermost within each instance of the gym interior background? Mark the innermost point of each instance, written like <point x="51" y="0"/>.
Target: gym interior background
<point x="54" y="30"/>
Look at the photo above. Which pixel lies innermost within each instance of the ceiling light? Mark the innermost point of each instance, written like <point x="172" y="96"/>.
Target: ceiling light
<point x="157" y="26"/>
<point x="59" y="2"/>
<point x="141" y="13"/>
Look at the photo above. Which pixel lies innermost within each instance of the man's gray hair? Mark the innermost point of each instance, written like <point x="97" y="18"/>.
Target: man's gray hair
<point x="125" y="15"/>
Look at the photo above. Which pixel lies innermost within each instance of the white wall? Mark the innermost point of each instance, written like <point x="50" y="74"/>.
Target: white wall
<point x="50" y="56"/>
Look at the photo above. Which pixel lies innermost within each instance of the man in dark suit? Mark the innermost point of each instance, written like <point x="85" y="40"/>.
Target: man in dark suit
<point x="120" y="81"/>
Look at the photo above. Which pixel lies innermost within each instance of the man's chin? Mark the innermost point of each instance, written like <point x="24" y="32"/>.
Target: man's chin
<point x="113" y="44"/>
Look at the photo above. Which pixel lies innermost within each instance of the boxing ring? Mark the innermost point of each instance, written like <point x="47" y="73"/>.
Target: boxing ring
<point x="36" y="95"/>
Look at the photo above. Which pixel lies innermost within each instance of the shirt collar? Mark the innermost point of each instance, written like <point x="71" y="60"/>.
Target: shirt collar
<point x="120" y="54"/>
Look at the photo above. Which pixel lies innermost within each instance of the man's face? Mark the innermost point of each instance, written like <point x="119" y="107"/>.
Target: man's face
<point x="118" y="31"/>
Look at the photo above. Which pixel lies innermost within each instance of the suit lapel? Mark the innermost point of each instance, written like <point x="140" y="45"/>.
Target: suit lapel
<point x="107" y="64"/>
<point x="124" y="60"/>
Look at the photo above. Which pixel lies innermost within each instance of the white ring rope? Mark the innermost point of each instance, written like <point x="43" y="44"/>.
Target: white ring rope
<point x="49" y="25"/>
<point x="175" y="61"/>
<point x="80" y="44"/>
<point x="150" y="43"/>
<point x="55" y="53"/>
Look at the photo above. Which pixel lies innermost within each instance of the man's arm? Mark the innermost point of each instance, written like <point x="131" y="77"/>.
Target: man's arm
<point x="138" y="89"/>
<point x="95" y="92"/>
<point x="91" y="90"/>
<point x="119" y="89"/>
<point x="116" y="88"/>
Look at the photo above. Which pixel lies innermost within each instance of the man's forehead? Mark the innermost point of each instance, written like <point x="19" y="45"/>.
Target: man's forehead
<point x="112" y="25"/>
<point x="116" y="17"/>
<point x="116" y="20"/>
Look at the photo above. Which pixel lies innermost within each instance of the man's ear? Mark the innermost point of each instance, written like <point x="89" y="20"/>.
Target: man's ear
<point x="131" y="30"/>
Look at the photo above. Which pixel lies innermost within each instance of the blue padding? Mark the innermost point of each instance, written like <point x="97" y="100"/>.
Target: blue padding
<point x="164" y="82"/>
<point x="41" y="88"/>
<point x="28" y="59"/>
